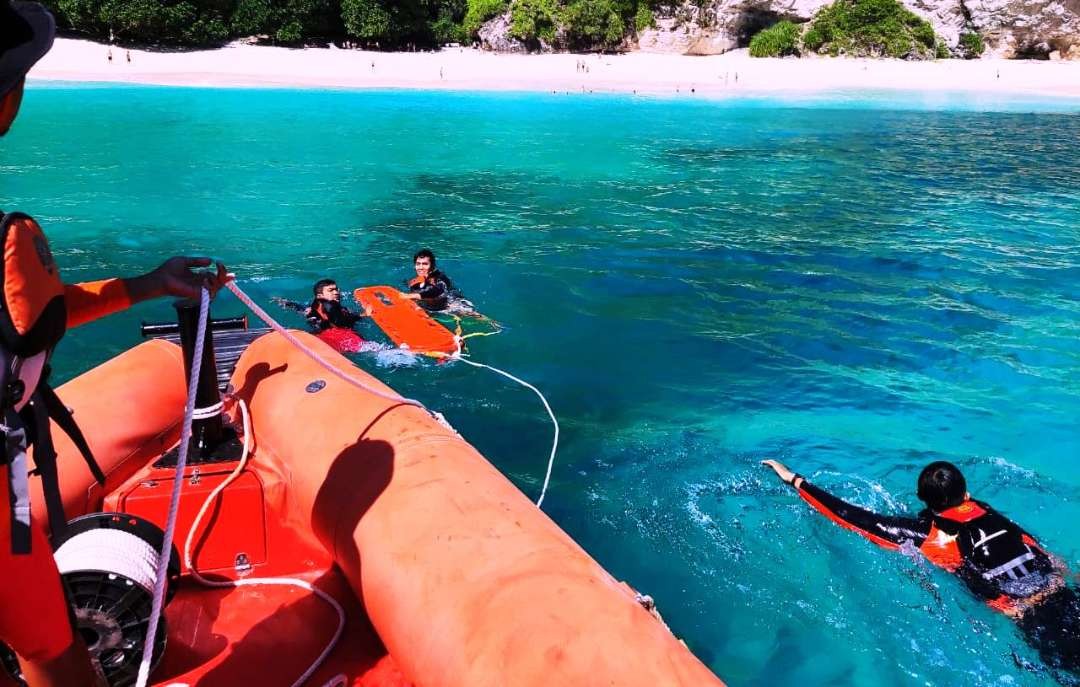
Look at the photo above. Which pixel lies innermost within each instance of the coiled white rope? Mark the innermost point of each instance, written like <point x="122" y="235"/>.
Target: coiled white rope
<point x="207" y="412"/>
<point x="286" y="581"/>
<point x="112" y="551"/>
<point x="174" y="503"/>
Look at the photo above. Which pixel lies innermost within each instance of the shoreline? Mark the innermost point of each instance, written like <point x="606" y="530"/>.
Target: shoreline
<point x="732" y="74"/>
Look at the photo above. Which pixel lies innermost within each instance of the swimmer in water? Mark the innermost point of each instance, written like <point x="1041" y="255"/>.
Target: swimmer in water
<point x="325" y="311"/>
<point x="431" y="288"/>
<point x="998" y="561"/>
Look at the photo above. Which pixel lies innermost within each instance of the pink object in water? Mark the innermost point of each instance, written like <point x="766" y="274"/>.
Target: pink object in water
<point x="343" y="340"/>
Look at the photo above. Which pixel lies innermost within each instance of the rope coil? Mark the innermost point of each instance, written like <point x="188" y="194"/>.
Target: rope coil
<point x="208" y="411"/>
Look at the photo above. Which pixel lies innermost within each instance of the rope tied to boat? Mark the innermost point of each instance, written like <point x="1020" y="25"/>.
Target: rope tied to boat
<point x="190" y="414"/>
<point x="459" y="354"/>
<point x="174" y="503"/>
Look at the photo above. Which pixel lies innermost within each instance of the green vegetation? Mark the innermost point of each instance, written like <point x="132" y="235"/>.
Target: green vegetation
<point x="644" y="18"/>
<point x="870" y="28"/>
<point x="592" y="24"/>
<point x="575" y="24"/>
<point x="479" y="11"/>
<point x="971" y="45"/>
<point x="532" y="21"/>
<point x="852" y="27"/>
<point x="779" y="40"/>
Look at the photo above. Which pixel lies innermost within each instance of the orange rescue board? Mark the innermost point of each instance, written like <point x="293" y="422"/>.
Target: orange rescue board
<point x="404" y="321"/>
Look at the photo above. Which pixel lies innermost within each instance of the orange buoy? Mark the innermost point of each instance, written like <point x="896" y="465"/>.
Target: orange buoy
<point x="404" y="321"/>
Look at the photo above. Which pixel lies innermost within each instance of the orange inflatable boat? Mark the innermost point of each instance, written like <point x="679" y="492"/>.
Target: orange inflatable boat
<point x="449" y="576"/>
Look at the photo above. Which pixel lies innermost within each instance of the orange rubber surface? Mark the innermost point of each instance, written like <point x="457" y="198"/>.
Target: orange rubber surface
<point x="404" y="321"/>
<point x="269" y="636"/>
<point x="467" y="583"/>
<point x="450" y="576"/>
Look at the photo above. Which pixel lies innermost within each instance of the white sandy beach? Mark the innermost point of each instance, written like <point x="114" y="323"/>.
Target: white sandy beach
<point x="466" y="69"/>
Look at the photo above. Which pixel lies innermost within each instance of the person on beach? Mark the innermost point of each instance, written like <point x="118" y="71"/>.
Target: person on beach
<point x="36" y="308"/>
<point x="994" y="557"/>
<point x="430" y="288"/>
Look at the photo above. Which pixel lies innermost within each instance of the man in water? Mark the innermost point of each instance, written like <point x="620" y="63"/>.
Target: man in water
<point x="34" y="611"/>
<point x="431" y="288"/>
<point x="325" y="311"/>
<point x="998" y="561"/>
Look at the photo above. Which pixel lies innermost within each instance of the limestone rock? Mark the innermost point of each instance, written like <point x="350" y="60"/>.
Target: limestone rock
<point x="1026" y="28"/>
<point x="495" y="36"/>
<point x="718" y="26"/>
<point x="1010" y="28"/>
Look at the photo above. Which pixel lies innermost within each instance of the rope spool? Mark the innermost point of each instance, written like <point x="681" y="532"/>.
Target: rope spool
<point x="108" y="562"/>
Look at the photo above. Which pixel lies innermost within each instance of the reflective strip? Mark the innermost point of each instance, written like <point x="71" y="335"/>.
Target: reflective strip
<point x="1010" y="567"/>
<point x="987" y="537"/>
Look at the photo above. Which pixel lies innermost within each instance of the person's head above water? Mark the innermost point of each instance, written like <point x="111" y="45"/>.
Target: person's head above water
<point x="26" y="34"/>
<point x="424" y="262"/>
<point x="327" y="289"/>
<point x="942" y="486"/>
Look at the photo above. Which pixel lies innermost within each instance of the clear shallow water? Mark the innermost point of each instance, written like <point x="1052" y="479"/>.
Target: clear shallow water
<point x="855" y="286"/>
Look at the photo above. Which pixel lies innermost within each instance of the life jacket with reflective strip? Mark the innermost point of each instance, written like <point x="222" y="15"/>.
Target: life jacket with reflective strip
<point x="33" y="318"/>
<point x="995" y="558"/>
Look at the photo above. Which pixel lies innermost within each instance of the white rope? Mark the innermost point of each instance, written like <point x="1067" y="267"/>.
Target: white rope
<point x="208" y="411"/>
<point x="554" y="443"/>
<point x="265" y="317"/>
<point x="285" y="581"/>
<point x="181" y="463"/>
<point x="111" y="551"/>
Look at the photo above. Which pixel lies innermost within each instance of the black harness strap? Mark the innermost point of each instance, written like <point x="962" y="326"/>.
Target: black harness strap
<point x="62" y="416"/>
<point x="36" y="417"/>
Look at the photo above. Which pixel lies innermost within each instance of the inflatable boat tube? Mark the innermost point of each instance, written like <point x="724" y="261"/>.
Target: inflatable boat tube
<point x="467" y="583"/>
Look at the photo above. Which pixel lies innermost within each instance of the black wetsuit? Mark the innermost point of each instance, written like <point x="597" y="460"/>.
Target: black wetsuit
<point x="998" y="561"/>
<point x="324" y="314"/>
<point x="435" y="291"/>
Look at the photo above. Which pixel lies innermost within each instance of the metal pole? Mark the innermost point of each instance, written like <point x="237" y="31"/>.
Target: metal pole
<point x="206" y="433"/>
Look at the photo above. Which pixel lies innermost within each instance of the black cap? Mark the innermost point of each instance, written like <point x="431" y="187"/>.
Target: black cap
<point x="26" y="34"/>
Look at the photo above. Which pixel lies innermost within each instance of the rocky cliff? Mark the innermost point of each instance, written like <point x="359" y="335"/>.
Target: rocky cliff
<point x="1042" y="29"/>
<point x="1010" y="28"/>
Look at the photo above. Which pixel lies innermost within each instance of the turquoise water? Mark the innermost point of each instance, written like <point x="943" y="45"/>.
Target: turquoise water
<point x="854" y="285"/>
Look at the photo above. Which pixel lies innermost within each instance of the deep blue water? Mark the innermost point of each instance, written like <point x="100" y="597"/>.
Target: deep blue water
<point x="855" y="285"/>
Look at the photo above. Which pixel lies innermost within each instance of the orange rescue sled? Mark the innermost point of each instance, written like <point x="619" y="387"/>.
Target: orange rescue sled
<point x="404" y="321"/>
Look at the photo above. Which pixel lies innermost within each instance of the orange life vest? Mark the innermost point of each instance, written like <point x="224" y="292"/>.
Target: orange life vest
<point x="33" y="318"/>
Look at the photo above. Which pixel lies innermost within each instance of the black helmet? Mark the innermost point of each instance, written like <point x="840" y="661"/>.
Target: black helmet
<point x="26" y="34"/>
<point x="942" y="486"/>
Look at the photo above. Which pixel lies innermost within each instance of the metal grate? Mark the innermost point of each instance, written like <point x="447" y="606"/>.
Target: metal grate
<point x="228" y="347"/>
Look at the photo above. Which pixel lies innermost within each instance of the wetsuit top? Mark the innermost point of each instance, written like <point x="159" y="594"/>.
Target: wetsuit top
<point x="435" y="291"/>
<point x="999" y="562"/>
<point x="324" y="314"/>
